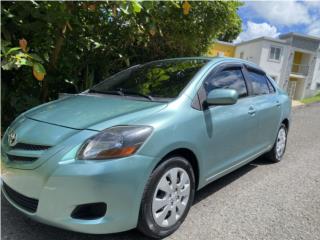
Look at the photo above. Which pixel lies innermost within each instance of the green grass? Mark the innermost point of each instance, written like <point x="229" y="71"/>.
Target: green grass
<point x="313" y="99"/>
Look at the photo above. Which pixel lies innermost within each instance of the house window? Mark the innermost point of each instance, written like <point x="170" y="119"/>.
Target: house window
<point x="241" y="55"/>
<point x="275" y="53"/>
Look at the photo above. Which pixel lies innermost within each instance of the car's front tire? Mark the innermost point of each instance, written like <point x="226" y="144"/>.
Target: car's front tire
<point x="167" y="198"/>
<point x="279" y="147"/>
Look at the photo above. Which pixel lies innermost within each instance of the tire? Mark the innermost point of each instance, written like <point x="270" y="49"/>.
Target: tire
<point x="276" y="156"/>
<point x="156" y="221"/>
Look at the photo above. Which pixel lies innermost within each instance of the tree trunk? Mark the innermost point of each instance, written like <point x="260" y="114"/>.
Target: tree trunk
<point x="56" y="53"/>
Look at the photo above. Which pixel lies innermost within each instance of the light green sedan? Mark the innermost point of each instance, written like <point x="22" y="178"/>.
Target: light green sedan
<point x="132" y="151"/>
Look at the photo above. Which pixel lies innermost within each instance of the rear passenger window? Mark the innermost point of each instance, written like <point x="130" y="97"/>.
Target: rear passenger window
<point x="259" y="83"/>
<point x="228" y="79"/>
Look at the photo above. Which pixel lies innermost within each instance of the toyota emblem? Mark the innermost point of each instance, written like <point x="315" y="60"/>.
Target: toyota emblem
<point x="12" y="138"/>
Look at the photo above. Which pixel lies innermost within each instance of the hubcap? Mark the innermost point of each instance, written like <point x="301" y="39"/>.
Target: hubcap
<point x="171" y="197"/>
<point x="281" y="142"/>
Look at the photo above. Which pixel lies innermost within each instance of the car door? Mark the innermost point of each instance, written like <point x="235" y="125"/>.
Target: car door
<point x="232" y="129"/>
<point x="267" y="106"/>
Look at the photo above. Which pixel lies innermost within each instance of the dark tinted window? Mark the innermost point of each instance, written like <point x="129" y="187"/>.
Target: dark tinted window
<point x="160" y="79"/>
<point x="259" y="83"/>
<point x="229" y="78"/>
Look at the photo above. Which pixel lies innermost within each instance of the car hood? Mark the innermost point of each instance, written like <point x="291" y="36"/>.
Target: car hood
<point x="82" y="111"/>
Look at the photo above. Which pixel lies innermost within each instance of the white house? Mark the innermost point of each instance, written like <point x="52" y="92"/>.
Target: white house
<point x="293" y="60"/>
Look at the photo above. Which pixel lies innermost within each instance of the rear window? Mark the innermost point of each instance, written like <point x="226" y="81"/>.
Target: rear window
<point x="259" y="82"/>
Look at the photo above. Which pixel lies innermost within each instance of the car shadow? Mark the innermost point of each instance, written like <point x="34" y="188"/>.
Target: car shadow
<point x="14" y="225"/>
<point x="220" y="183"/>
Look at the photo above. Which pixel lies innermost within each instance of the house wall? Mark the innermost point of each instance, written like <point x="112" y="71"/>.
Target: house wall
<point x="303" y="43"/>
<point x="315" y="86"/>
<point x="258" y="52"/>
<point x="295" y="50"/>
<point x="311" y="61"/>
<point x="251" y="51"/>
<point x="310" y="46"/>
<point x="272" y="67"/>
<point x="217" y="48"/>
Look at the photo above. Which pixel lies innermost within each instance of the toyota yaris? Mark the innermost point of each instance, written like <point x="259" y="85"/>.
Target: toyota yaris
<point x="132" y="151"/>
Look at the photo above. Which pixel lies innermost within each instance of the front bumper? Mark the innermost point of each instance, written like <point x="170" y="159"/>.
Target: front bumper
<point x="118" y="183"/>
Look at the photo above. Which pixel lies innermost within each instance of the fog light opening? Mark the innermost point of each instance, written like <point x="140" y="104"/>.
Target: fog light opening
<point x="89" y="211"/>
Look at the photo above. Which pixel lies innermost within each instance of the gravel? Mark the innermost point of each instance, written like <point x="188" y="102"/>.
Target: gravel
<point x="258" y="201"/>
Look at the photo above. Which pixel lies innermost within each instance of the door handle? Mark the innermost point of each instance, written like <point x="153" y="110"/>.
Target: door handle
<point x="278" y="104"/>
<point x="252" y="111"/>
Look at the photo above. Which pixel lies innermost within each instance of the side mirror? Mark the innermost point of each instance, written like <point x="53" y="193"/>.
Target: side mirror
<point x="222" y="97"/>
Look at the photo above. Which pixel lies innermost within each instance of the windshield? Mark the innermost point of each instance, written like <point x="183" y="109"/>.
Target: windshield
<point x="159" y="79"/>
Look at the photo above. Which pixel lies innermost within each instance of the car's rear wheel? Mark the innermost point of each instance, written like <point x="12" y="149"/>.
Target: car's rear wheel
<point x="167" y="198"/>
<point x="279" y="147"/>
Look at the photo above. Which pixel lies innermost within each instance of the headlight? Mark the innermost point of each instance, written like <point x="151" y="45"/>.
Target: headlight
<point x="115" y="142"/>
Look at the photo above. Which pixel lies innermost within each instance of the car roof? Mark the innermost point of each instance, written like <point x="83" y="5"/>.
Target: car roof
<point x="211" y="64"/>
<point x="211" y="60"/>
<point x="234" y="60"/>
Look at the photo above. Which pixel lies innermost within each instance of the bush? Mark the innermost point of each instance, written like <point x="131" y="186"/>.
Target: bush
<point x="81" y="43"/>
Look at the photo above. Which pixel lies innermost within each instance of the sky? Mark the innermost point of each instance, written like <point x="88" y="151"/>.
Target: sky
<point x="272" y="18"/>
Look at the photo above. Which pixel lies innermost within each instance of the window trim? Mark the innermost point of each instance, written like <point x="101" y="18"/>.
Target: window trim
<point x="280" y="55"/>
<point x="200" y="97"/>
<point x="270" y="86"/>
<point x="226" y="67"/>
<point x="248" y="68"/>
<point x="273" y="84"/>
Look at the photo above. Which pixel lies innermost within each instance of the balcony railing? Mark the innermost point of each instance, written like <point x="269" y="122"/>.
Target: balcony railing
<point x="300" y="69"/>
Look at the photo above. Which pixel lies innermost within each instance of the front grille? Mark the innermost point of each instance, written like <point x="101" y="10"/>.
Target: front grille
<point x="21" y="159"/>
<point x="30" y="147"/>
<point x="28" y="204"/>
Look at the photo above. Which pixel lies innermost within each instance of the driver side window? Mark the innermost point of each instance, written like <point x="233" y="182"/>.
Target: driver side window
<point x="230" y="78"/>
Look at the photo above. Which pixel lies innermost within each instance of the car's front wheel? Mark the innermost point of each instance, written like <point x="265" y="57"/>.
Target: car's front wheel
<point x="167" y="198"/>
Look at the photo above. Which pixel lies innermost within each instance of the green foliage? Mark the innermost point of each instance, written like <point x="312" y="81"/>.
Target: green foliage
<point x="16" y="57"/>
<point x="315" y="98"/>
<point x="81" y="43"/>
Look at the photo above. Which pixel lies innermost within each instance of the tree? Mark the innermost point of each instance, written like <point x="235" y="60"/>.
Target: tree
<point x="80" y="43"/>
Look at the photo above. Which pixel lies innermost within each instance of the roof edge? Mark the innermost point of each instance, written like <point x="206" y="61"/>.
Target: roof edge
<point x="261" y="39"/>
<point x="294" y="34"/>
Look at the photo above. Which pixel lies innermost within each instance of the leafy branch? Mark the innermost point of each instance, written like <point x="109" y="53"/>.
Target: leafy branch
<point x="16" y="57"/>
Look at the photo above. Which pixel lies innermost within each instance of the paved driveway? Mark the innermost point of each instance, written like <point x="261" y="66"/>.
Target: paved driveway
<point x="258" y="201"/>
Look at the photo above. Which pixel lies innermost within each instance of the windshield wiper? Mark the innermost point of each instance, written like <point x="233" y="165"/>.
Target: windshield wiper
<point x="107" y="92"/>
<point x="122" y="92"/>
<point x="134" y="93"/>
